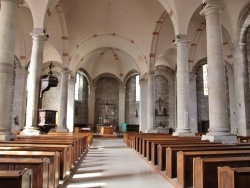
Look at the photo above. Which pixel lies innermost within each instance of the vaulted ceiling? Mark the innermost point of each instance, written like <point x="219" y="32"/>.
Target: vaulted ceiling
<point x="117" y="36"/>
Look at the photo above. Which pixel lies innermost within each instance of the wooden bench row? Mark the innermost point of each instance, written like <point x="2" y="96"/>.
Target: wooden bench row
<point x="16" y="178"/>
<point x="62" y="152"/>
<point x="176" y="155"/>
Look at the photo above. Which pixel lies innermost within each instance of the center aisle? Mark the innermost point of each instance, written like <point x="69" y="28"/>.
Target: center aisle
<point x="111" y="164"/>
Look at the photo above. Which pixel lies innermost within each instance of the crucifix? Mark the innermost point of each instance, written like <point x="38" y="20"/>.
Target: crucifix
<point x="106" y="104"/>
<point x="159" y="103"/>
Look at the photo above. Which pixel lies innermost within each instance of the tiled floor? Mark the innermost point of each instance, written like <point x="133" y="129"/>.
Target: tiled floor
<point x="111" y="164"/>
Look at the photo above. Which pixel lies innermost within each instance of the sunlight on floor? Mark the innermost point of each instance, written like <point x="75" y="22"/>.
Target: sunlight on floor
<point x="87" y="185"/>
<point x="89" y="175"/>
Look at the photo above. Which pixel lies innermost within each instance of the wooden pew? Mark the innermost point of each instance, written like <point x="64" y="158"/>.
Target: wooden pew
<point x="151" y="145"/>
<point x="171" y="155"/>
<point x="243" y="139"/>
<point x="161" y="150"/>
<point x="16" y="178"/>
<point x="233" y="177"/>
<point x="74" y="143"/>
<point x="47" y="142"/>
<point x="88" y="135"/>
<point x="185" y="168"/>
<point x="141" y="140"/>
<point x="40" y="169"/>
<point x="81" y="141"/>
<point x="52" y="156"/>
<point x="133" y="138"/>
<point x="144" y="143"/>
<point x="158" y="150"/>
<point x="65" y="164"/>
<point x="205" y="169"/>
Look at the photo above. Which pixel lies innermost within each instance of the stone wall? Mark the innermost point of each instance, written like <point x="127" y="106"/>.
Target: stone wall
<point x="107" y="91"/>
<point x="131" y="106"/>
<point x="164" y="97"/>
<point x="202" y="100"/>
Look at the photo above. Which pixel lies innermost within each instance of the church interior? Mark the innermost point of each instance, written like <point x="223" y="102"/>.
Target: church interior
<point x="160" y="83"/>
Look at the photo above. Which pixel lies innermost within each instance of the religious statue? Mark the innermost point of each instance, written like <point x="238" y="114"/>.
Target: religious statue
<point x="160" y="103"/>
<point x="50" y="69"/>
<point x="16" y="120"/>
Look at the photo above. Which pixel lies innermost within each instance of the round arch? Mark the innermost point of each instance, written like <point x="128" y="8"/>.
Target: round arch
<point x="110" y="41"/>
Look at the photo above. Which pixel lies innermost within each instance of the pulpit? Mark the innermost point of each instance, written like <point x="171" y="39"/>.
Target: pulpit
<point x="47" y="119"/>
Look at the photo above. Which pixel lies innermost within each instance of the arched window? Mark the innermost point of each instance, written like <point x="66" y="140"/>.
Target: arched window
<point x="79" y="87"/>
<point x="204" y="68"/>
<point x="137" y="88"/>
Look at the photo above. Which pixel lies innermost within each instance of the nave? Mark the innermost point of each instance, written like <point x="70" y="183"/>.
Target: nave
<point x="111" y="164"/>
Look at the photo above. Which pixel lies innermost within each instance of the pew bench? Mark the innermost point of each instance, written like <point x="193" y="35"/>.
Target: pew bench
<point x="87" y="135"/>
<point x="158" y="150"/>
<point x="39" y="167"/>
<point x="233" y="177"/>
<point x="16" y="178"/>
<point x="53" y="157"/>
<point x="171" y="155"/>
<point x="33" y="140"/>
<point x="186" y="167"/>
<point x="151" y="145"/>
<point x="147" y="142"/>
<point x="64" y="161"/>
<point x="138" y="139"/>
<point x="160" y="158"/>
<point x="81" y="141"/>
<point x="205" y="169"/>
<point x="47" y="142"/>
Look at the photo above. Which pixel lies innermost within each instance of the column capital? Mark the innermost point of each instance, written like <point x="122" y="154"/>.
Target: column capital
<point x="151" y="72"/>
<point x="122" y="87"/>
<point x="211" y="7"/>
<point x="238" y="46"/>
<point x="65" y="69"/>
<point x="39" y="34"/>
<point x="192" y="76"/>
<point x="181" y="39"/>
<point x="72" y="80"/>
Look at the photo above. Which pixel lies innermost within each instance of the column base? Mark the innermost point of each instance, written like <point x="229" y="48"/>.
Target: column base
<point x="150" y="131"/>
<point x="183" y="134"/>
<point x="223" y="139"/>
<point x="7" y="137"/>
<point x="30" y="132"/>
<point x="62" y="130"/>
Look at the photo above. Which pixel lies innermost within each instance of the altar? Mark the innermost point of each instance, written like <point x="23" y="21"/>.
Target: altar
<point x="105" y="130"/>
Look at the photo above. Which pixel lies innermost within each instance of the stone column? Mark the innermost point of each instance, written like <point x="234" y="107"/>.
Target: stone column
<point x="182" y="87"/>
<point x="34" y="82"/>
<point x="143" y="105"/>
<point x="151" y="104"/>
<point x="231" y="85"/>
<point x="19" y="103"/>
<point x="8" y="18"/>
<point x="71" y="104"/>
<point x="241" y="89"/>
<point x="193" y="104"/>
<point x="218" y="124"/>
<point x="62" y="127"/>
<point x="122" y="90"/>
<point x="91" y="106"/>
